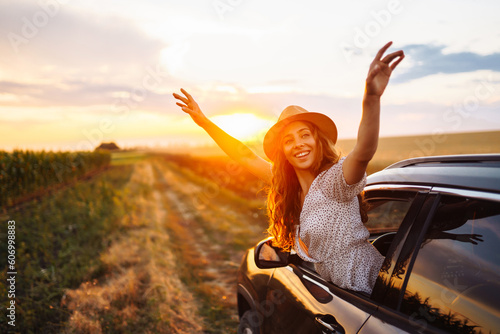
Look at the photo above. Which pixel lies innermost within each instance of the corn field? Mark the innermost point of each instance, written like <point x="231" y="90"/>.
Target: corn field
<point x="25" y="173"/>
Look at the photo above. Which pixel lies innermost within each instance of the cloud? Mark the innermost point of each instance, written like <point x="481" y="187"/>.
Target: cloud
<point x="76" y="58"/>
<point x="58" y="94"/>
<point x="37" y="37"/>
<point x="109" y="98"/>
<point x="430" y="59"/>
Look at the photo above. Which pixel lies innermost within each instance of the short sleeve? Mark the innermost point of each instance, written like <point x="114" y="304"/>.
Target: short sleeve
<point x="333" y="184"/>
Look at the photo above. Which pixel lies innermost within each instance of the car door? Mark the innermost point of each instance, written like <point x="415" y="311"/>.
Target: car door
<point x="447" y="278"/>
<point x="312" y="305"/>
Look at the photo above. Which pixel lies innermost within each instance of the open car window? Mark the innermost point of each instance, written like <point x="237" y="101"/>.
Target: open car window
<point x="387" y="209"/>
<point x="387" y="214"/>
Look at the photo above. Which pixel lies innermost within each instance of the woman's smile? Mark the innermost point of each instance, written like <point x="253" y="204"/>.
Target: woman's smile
<point x="302" y="154"/>
<point x="299" y="145"/>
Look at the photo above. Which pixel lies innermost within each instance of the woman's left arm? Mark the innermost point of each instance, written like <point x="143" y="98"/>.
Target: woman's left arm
<point x="355" y="164"/>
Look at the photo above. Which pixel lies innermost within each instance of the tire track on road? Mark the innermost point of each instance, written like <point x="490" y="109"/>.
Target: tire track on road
<point x="141" y="287"/>
<point x="208" y="237"/>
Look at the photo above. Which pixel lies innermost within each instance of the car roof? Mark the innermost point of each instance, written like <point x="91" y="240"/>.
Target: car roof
<point x="473" y="171"/>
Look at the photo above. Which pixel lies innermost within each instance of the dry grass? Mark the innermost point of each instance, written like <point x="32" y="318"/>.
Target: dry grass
<point x="174" y="268"/>
<point x="141" y="291"/>
<point x="210" y="230"/>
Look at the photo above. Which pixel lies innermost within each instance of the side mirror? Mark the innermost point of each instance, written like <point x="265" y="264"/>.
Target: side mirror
<point x="268" y="256"/>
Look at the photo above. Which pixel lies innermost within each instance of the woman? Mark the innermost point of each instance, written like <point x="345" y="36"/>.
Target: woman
<point x="312" y="202"/>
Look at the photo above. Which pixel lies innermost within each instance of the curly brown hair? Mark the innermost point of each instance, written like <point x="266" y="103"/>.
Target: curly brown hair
<point x="283" y="200"/>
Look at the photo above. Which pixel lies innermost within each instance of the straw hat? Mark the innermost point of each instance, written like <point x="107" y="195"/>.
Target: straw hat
<point x="296" y="113"/>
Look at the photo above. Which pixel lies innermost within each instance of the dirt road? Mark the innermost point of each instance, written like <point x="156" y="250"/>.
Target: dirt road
<point x="174" y="267"/>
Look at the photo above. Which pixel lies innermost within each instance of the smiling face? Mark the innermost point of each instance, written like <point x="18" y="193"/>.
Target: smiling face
<point x="299" y="145"/>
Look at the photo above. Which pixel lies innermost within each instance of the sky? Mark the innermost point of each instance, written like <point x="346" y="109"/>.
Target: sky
<point x="76" y="73"/>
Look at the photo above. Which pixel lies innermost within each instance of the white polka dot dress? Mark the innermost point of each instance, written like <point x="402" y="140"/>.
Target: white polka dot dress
<point x="331" y="228"/>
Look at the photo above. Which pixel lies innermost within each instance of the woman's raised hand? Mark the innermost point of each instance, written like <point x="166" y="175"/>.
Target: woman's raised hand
<point x="233" y="147"/>
<point x="381" y="69"/>
<point x="189" y="106"/>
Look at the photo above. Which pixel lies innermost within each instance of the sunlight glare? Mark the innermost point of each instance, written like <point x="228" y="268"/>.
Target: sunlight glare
<point x="173" y="57"/>
<point x="243" y="126"/>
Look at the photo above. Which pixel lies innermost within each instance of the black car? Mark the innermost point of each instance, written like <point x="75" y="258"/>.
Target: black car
<point x="437" y="222"/>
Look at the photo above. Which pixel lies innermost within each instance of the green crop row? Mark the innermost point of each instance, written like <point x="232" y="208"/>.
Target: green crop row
<point x="58" y="240"/>
<point x="27" y="172"/>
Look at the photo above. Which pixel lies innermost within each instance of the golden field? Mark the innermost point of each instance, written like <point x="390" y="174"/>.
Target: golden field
<point x="152" y="243"/>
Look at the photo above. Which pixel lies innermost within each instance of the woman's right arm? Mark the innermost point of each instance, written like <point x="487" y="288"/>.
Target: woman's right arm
<point x="230" y="145"/>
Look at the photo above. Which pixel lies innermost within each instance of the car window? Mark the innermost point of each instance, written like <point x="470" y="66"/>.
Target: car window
<point x="387" y="209"/>
<point x="387" y="214"/>
<point x="455" y="281"/>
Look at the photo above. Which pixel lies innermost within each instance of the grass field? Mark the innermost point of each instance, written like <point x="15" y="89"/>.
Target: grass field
<point x="152" y="245"/>
<point x="58" y="242"/>
<point x="390" y="149"/>
<point x="144" y="247"/>
<point x="126" y="157"/>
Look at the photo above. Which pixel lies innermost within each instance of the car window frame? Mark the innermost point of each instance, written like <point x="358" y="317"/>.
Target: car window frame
<point x="356" y="297"/>
<point x="393" y="315"/>
<point x="425" y="205"/>
<point x="437" y="193"/>
<point x="414" y="224"/>
<point x="393" y="255"/>
<point x="440" y="191"/>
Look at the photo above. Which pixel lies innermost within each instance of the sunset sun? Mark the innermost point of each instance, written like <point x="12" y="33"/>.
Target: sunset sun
<point x="244" y="126"/>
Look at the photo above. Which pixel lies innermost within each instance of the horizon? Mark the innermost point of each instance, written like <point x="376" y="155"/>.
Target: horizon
<point x="189" y="147"/>
<point x="74" y="75"/>
<point x="182" y="145"/>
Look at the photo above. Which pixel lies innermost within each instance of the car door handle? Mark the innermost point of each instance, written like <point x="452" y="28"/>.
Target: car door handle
<point x="329" y="324"/>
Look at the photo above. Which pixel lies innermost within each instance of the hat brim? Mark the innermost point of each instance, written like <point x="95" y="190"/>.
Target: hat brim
<point x="273" y="136"/>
